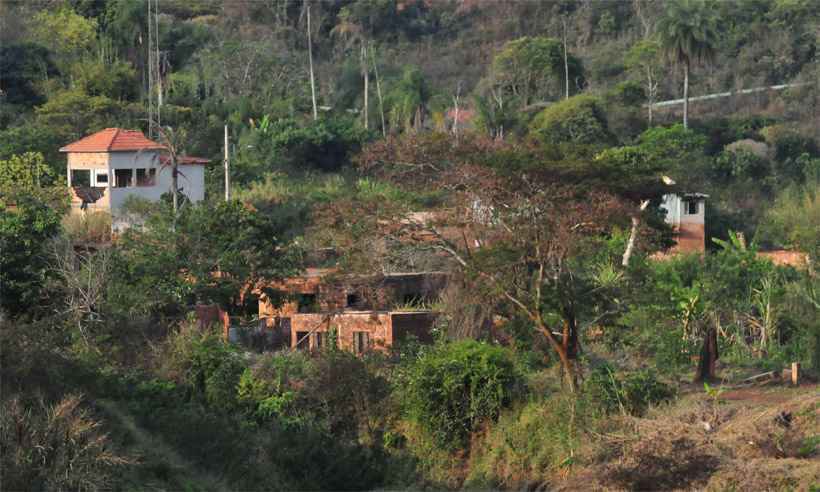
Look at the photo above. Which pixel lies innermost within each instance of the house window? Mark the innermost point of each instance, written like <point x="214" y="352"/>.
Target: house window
<point x="361" y="340"/>
<point x="100" y="178"/>
<point x="146" y="177"/>
<point x="320" y="340"/>
<point x="306" y="303"/>
<point x="80" y="177"/>
<point x="691" y="207"/>
<point x="353" y="300"/>
<point x="123" y="178"/>
<point x="302" y="340"/>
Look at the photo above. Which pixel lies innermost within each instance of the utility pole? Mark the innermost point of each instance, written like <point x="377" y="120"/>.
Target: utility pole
<point x="310" y="60"/>
<point x="227" y="169"/>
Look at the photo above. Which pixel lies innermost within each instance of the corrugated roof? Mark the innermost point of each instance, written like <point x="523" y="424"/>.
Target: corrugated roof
<point x="113" y="140"/>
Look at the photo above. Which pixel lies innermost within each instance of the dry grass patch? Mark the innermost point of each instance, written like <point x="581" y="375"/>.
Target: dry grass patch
<point x="759" y="440"/>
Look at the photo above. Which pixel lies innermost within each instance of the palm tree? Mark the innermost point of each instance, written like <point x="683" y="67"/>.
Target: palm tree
<point x="352" y="30"/>
<point x="688" y="33"/>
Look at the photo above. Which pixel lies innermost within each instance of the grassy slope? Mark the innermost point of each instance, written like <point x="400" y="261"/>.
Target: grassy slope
<point x="160" y="466"/>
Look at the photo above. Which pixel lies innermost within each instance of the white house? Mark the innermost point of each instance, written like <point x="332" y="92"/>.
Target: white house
<point x="687" y="215"/>
<point x="105" y="168"/>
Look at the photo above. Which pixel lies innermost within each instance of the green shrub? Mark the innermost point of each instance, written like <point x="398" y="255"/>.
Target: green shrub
<point x="205" y="363"/>
<point x="631" y="394"/>
<point x="528" y="443"/>
<point x="268" y="389"/>
<point x="451" y="390"/>
<point x="579" y="119"/>
<point x="288" y="145"/>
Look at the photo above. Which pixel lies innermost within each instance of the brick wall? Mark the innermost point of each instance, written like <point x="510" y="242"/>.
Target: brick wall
<point x="376" y="324"/>
<point x="691" y="238"/>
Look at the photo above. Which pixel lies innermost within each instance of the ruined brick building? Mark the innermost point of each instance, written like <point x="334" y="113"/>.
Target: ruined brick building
<point x="360" y="312"/>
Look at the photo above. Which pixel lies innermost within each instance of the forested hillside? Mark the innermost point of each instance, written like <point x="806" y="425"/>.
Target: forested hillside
<point x="520" y="149"/>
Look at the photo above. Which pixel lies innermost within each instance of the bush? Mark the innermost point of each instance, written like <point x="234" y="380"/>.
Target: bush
<point x="206" y="364"/>
<point x="579" y="119"/>
<point x="631" y="394"/>
<point x="93" y="227"/>
<point x="55" y="447"/>
<point x="529" y="443"/>
<point x="285" y="145"/>
<point x="269" y="387"/>
<point x="451" y="390"/>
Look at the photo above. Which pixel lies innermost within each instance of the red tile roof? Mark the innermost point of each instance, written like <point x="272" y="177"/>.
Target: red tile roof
<point x="113" y="140"/>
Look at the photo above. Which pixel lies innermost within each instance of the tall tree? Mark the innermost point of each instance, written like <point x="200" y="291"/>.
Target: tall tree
<point x="310" y="60"/>
<point x="645" y="61"/>
<point x="351" y="29"/>
<point x="688" y="34"/>
<point x="521" y="233"/>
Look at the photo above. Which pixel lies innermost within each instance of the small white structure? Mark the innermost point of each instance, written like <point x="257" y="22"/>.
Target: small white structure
<point x="687" y="216"/>
<point x="106" y="168"/>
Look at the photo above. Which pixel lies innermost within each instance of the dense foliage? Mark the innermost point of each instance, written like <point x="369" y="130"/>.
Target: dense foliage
<point x="452" y="391"/>
<point x="523" y="148"/>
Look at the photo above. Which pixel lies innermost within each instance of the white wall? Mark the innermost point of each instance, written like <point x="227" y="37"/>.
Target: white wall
<point x="191" y="179"/>
<point x="676" y="212"/>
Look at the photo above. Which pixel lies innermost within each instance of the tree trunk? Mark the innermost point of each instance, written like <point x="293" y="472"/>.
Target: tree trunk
<point x="366" y="83"/>
<point x="379" y="91"/>
<point x="566" y="62"/>
<point x="650" y="93"/>
<point x="227" y="168"/>
<point x="708" y="356"/>
<point x="630" y="244"/>
<point x="310" y="61"/>
<point x="686" y="94"/>
<point x="567" y="366"/>
<point x="175" y="185"/>
<point x="456" y="110"/>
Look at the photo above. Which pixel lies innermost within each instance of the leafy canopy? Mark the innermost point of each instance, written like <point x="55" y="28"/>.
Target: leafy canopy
<point x="579" y="119"/>
<point x="688" y="31"/>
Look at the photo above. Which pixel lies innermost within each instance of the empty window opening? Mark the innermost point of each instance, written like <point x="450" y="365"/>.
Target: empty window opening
<point x="320" y="340"/>
<point x="123" y="178"/>
<point x="100" y="178"/>
<point x="302" y="340"/>
<point x="80" y="177"/>
<point x="306" y="303"/>
<point x="691" y="207"/>
<point x="353" y="300"/>
<point x="361" y="341"/>
<point x="146" y="177"/>
<point x="413" y="299"/>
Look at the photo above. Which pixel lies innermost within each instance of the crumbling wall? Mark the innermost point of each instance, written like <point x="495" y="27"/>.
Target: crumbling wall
<point x="417" y="324"/>
<point x="211" y="314"/>
<point x="376" y="324"/>
<point x="690" y="237"/>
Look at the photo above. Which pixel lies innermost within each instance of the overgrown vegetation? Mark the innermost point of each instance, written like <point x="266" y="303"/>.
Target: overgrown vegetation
<point x="516" y="146"/>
